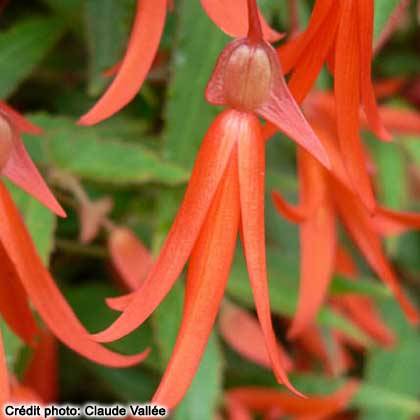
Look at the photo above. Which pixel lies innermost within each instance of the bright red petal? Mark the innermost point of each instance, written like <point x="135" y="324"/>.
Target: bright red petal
<point x="251" y="158"/>
<point x="294" y="214"/>
<point x="263" y="399"/>
<point x="400" y="120"/>
<point x="235" y="410"/>
<point x="42" y="372"/>
<point x="21" y="171"/>
<point x="232" y="18"/>
<point x="208" y="170"/>
<point x="18" y="121"/>
<point x="390" y="222"/>
<point x="347" y="93"/>
<point x="359" y="225"/>
<point x="243" y="333"/>
<point x="130" y="257"/>
<point x="318" y="241"/>
<point x="208" y="273"/>
<point x="43" y="292"/>
<point x="365" y="36"/>
<point x="14" y="306"/>
<point x="142" y="47"/>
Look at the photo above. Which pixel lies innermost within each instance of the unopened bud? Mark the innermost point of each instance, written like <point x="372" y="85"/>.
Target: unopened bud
<point x="6" y="141"/>
<point x="248" y="77"/>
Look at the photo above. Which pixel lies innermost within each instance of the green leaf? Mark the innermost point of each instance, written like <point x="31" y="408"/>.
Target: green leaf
<point x="108" y="24"/>
<point x="383" y="11"/>
<point x="40" y="221"/>
<point x="22" y="48"/>
<point x="188" y="115"/>
<point x="87" y="153"/>
<point x="201" y="399"/>
<point x="394" y="371"/>
<point x="12" y="345"/>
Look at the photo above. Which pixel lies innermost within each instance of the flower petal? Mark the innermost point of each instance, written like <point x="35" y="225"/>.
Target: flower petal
<point x="130" y="257"/>
<point x="359" y="224"/>
<point x="243" y="333"/>
<point x="232" y="18"/>
<point x="14" y="306"/>
<point x="43" y="292"/>
<point x="365" y="35"/>
<point x="21" y="171"/>
<point x="208" y="273"/>
<point x="42" y="372"/>
<point x="251" y="181"/>
<point x="347" y="93"/>
<point x="142" y="47"/>
<point x="390" y="222"/>
<point x="295" y="214"/>
<point x="19" y="121"/>
<point x="262" y="399"/>
<point x="208" y="170"/>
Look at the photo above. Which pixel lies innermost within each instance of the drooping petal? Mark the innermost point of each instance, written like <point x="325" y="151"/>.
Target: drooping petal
<point x="18" y="121"/>
<point x="207" y="173"/>
<point x="243" y="333"/>
<point x="347" y="93"/>
<point x="43" y="292"/>
<point x="21" y="171"/>
<point x="130" y="257"/>
<point x="362" y="311"/>
<point x="295" y="214"/>
<point x="318" y="241"/>
<point x="359" y="225"/>
<point x="390" y="222"/>
<point x="42" y="372"/>
<point x="365" y="36"/>
<point x="14" y="306"/>
<point x="309" y="65"/>
<point x="263" y="399"/>
<point x="251" y="165"/>
<point x="142" y="47"/>
<point x="232" y="18"/>
<point x="208" y="273"/>
<point x="4" y="376"/>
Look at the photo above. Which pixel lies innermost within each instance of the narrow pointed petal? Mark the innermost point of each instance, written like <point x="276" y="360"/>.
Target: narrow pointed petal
<point x="359" y="225"/>
<point x="365" y="29"/>
<point x="309" y="65"/>
<point x="4" y="376"/>
<point x="232" y="18"/>
<point x="17" y="120"/>
<point x="251" y="159"/>
<point x="243" y="333"/>
<point x="208" y="170"/>
<point x="208" y="273"/>
<point x="347" y="93"/>
<point x="400" y="120"/>
<point x="344" y="263"/>
<point x="390" y="222"/>
<point x="362" y="311"/>
<point x="318" y="241"/>
<point x="282" y="111"/>
<point x="42" y="372"/>
<point x="43" y="292"/>
<point x="142" y="47"/>
<point x="262" y="399"/>
<point x="294" y="214"/>
<point x="130" y="257"/>
<point x="14" y="306"/>
<point x="21" y="171"/>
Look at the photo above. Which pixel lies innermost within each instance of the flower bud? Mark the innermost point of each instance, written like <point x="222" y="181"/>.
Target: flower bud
<point x="248" y="77"/>
<point x="6" y="141"/>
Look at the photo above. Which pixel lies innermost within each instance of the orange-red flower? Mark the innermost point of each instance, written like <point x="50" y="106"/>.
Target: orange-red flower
<point x="24" y="278"/>
<point x="326" y="197"/>
<point x="143" y="44"/>
<point x="225" y="194"/>
<point x="340" y="33"/>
